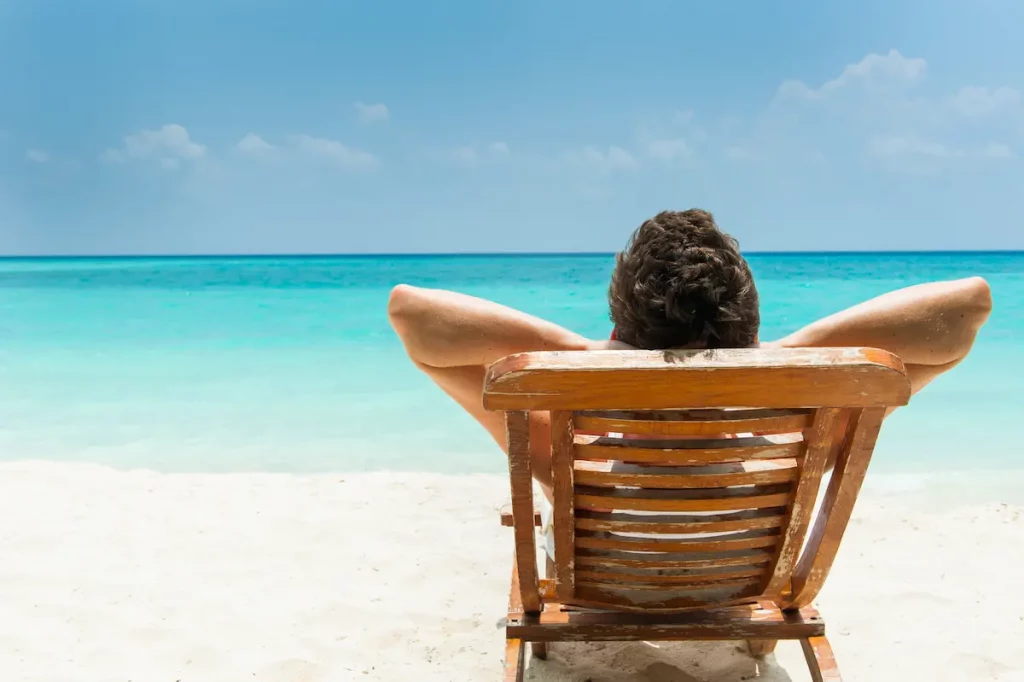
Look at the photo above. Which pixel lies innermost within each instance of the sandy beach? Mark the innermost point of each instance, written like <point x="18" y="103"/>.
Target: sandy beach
<point x="153" y="577"/>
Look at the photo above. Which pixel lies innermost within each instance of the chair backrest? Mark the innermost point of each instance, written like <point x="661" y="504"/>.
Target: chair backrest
<point x="688" y="479"/>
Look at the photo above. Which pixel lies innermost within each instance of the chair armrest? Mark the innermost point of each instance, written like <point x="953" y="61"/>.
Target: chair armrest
<point x="506" y="516"/>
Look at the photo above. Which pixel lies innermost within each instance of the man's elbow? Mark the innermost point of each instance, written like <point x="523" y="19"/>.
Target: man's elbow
<point x="973" y="305"/>
<point x="406" y="313"/>
<point x="402" y="304"/>
<point x="978" y="301"/>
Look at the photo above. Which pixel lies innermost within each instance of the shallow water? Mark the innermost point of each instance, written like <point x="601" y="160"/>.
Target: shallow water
<point x="288" y="364"/>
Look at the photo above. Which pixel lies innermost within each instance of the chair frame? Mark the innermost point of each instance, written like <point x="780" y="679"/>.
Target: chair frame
<point x="858" y="384"/>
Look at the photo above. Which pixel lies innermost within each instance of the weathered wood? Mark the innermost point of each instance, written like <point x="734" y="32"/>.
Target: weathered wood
<point x="684" y="379"/>
<point x="820" y="659"/>
<point x="749" y="539"/>
<point x="663" y="600"/>
<point x="666" y="589"/>
<point x="507" y="519"/>
<point x="557" y="624"/>
<point x="514" y="661"/>
<point x="673" y="534"/>
<point x="693" y="422"/>
<point x="689" y="451"/>
<point x="547" y="590"/>
<point x="646" y="595"/>
<point x="836" y="508"/>
<point x="761" y="647"/>
<point x="801" y="506"/>
<point x="593" y="558"/>
<point x="514" y="657"/>
<point x="626" y="522"/>
<point x="515" y="594"/>
<point x="563" y="481"/>
<point x="703" y="499"/>
<point x="539" y="650"/>
<point x="613" y="474"/>
<point x="663" y="578"/>
<point x="517" y="427"/>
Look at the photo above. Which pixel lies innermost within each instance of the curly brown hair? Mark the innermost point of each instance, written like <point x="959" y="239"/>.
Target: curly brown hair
<point x="681" y="281"/>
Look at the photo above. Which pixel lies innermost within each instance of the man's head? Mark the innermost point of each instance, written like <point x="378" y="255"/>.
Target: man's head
<point x="682" y="282"/>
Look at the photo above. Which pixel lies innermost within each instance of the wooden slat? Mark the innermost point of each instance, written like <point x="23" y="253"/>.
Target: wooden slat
<point x="626" y="522"/>
<point x="507" y="518"/>
<point x="836" y="508"/>
<point x="686" y="379"/>
<point x="693" y="422"/>
<point x="517" y="427"/>
<point x="649" y="578"/>
<point x="613" y="474"/>
<point x="562" y="477"/>
<point x="660" y="598"/>
<point x="689" y="452"/>
<point x="668" y="589"/>
<point x="739" y="622"/>
<point x="590" y="558"/>
<point x="704" y="499"/>
<point x="725" y="542"/>
<point x="801" y="507"/>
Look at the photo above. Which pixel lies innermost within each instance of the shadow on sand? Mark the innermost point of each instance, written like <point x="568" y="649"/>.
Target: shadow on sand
<point x="653" y="662"/>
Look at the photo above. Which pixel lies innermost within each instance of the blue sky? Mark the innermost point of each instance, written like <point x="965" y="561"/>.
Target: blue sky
<point x="273" y="127"/>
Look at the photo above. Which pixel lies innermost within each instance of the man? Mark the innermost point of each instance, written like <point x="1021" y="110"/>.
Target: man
<point x="680" y="283"/>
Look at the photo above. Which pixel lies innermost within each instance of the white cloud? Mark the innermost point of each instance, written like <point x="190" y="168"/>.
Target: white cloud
<point x="168" y="145"/>
<point x="253" y="144"/>
<point x="603" y="160"/>
<point x="977" y="102"/>
<point x="37" y="156"/>
<point x="872" y="70"/>
<point x="669" y="150"/>
<point x="875" y="106"/>
<point x="913" y="147"/>
<point x="335" y="152"/>
<point x="498" y="148"/>
<point x="372" y="113"/>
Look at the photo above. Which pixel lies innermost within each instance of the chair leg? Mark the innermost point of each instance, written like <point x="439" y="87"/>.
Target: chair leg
<point x="540" y="649"/>
<point x="761" y="647"/>
<point x="820" y="659"/>
<point x="514" y="663"/>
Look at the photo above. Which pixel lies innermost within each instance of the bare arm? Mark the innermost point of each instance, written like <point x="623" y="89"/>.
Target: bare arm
<point x="447" y="329"/>
<point x="453" y="338"/>
<point x="931" y="327"/>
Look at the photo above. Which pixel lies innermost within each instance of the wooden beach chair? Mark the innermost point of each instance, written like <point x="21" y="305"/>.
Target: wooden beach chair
<point x="692" y="519"/>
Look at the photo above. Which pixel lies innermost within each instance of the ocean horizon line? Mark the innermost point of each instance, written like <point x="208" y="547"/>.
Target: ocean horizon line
<point x="482" y="254"/>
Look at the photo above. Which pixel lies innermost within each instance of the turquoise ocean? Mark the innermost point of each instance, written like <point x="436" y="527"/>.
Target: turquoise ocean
<point x="288" y="364"/>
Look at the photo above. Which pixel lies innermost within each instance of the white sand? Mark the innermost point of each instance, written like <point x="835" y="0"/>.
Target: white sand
<point x="110" y="576"/>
